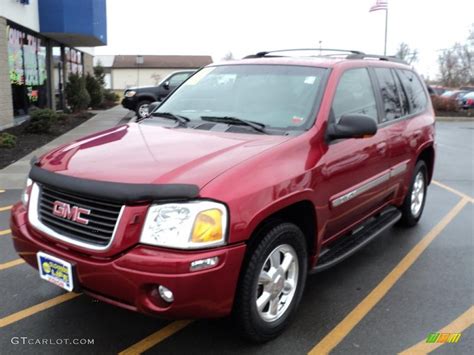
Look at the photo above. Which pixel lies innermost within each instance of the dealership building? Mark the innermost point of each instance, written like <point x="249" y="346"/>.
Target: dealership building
<point x="42" y="42"/>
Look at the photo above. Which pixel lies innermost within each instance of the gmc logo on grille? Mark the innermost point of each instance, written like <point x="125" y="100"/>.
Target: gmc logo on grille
<point x="73" y="213"/>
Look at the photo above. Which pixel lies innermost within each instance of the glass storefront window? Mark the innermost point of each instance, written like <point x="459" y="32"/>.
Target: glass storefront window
<point x="28" y="71"/>
<point x="74" y="61"/>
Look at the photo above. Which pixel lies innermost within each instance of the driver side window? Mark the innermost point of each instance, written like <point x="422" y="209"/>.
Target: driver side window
<point x="177" y="79"/>
<point x="354" y="94"/>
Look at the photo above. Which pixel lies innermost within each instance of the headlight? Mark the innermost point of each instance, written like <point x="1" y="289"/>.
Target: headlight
<point x="191" y="225"/>
<point x="25" y="195"/>
<point x="130" y="93"/>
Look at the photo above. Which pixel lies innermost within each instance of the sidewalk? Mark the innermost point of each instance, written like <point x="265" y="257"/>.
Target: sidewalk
<point x="13" y="176"/>
<point x="454" y="119"/>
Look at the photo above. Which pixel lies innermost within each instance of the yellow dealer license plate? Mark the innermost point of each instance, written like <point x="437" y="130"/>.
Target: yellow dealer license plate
<point x="55" y="270"/>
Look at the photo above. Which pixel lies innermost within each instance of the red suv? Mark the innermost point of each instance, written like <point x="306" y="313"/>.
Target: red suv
<point x="250" y="176"/>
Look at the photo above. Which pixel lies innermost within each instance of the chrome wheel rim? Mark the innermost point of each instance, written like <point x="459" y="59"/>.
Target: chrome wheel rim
<point x="277" y="283"/>
<point x="143" y="110"/>
<point x="418" y="194"/>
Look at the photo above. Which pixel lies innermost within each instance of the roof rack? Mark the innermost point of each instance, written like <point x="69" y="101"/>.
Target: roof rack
<point x="387" y="58"/>
<point x="266" y="53"/>
<point x="350" y="54"/>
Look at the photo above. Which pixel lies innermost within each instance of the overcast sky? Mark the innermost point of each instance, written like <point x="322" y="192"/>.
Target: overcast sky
<point x="246" y="26"/>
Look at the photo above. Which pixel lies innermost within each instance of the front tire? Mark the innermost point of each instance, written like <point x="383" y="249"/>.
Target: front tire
<point x="142" y="109"/>
<point x="272" y="283"/>
<point x="414" y="202"/>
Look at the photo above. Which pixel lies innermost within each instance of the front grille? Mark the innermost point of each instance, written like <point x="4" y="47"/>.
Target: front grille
<point x="102" y="218"/>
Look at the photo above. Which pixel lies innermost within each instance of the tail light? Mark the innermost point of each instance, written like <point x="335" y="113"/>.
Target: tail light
<point x="470" y="101"/>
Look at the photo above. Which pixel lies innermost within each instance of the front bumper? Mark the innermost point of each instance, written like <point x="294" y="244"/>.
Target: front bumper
<point x="130" y="103"/>
<point x="130" y="279"/>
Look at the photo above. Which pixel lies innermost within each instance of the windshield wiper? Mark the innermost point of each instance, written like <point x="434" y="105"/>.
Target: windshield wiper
<point x="182" y="120"/>
<point x="260" y="127"/>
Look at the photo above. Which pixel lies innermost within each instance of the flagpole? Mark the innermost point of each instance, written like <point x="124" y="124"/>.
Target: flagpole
<point x="386" y="28"/>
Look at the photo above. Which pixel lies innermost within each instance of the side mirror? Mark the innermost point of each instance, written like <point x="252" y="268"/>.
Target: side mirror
<point x="153" y="106"/>
<point x="166" y="85"/>
<point x="352" y="126"/>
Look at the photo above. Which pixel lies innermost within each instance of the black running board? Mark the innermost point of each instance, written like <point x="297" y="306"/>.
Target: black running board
<point x="350" y="244"/>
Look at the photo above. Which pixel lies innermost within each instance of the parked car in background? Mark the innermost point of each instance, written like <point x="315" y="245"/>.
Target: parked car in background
<point x="467" y="101"/>
<point x="139" y="98"/>
<point x="454" y="94"/>
<point x="436" y="90"/>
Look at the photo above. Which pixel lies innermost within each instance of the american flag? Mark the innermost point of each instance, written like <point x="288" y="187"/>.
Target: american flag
<point x="379" y="5"/>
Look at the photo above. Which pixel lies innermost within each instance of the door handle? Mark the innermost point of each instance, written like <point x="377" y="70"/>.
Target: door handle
<point x="381" y="147"/>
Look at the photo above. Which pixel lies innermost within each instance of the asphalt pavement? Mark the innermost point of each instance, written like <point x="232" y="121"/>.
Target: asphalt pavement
<point x="385" y="299"/>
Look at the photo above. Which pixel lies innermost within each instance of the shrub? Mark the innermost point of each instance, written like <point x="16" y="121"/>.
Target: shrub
<point x="99" y="74"/>
<point x="41" y="121"/>
<point x="62" y="116"/>
<point x="111" y="96"/>
<point x="7" y="140"/>
<point x="94" y="88"/>
<point x="76" y="93"/>
<point x="444" y="104"/>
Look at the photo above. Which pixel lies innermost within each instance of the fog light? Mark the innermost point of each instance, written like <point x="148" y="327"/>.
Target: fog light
<point x="166" y="294"/>
<point x="204" y="263"/>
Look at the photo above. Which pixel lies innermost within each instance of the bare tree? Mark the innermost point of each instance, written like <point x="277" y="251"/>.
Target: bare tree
<point x="156" y="78"/>
<point x="228" y="56"/>
<point x="404" y="52"/>
<point x="456" y="64"/>
<point x="466" y="63"/>
<point x="449" y="68"/>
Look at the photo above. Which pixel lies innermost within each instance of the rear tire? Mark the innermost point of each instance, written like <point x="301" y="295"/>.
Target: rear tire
<point x="272" y="283"/>
<point x="414" y="202"/>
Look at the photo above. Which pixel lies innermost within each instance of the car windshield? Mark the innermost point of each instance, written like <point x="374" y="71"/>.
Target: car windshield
<point x="275" y="96"/>
<point x="448" y="93"/>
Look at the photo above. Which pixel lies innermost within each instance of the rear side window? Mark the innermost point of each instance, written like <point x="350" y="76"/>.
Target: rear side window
<point x="414" y="90"/>
<point x="354" y="94"/>
<point x="390" y="94"/>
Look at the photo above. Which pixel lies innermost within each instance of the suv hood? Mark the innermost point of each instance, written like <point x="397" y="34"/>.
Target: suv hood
<point x="141" y="88"/>
<point x="146" y="154"/>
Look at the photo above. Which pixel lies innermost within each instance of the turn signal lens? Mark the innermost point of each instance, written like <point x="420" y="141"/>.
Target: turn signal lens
<point x="208" y="227"/>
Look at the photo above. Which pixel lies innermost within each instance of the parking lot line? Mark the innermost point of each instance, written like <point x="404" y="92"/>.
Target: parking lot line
<point x="6" y="208"/>
<point x="15" y="317"/>
<point x="335" y="336"/>
<point x="11" y="264"/>
<point x="458" y="325"/>
<point x="454" y="191"/>
<point x="156" y="337"/>
<point x="5" y="232"/>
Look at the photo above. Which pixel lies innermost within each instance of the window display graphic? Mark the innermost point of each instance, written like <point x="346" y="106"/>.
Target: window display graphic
<point x="28" y="71"/>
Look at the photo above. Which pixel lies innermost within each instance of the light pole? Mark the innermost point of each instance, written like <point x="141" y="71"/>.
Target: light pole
<point x="386" y="31"/>
<point x="139" y="61"/>
<point x="382" y="5"/>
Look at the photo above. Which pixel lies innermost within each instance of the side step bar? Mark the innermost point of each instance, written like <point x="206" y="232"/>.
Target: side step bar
<point x="348" y="245"/>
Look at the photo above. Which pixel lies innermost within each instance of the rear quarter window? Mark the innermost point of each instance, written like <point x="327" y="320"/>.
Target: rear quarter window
<point x="389" y="92"/>
<point x="414" y="90"/>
